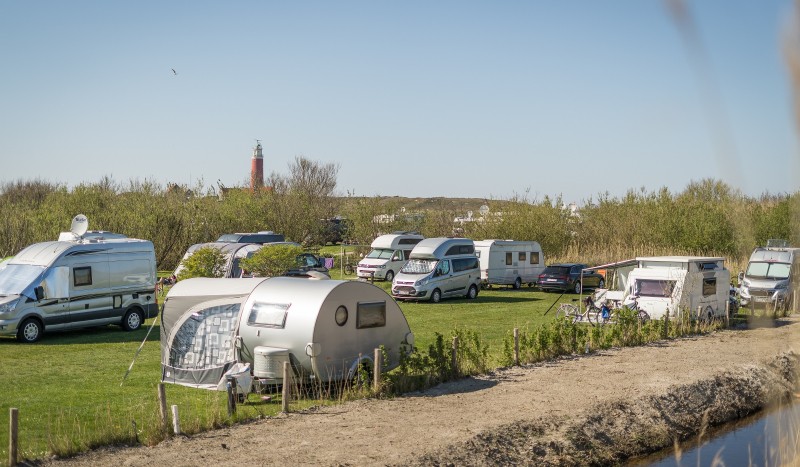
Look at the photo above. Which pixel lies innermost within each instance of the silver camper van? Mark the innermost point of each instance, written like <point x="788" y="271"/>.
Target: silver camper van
<point x="438" y="268"/>
<point x="388" y="255"/>
<point x="65" y="285"/>
<point x="773" y="274"/>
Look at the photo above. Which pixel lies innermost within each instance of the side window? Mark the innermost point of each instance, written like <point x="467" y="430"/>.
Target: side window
<point x="82" y="276"/>
<point x="509" y="258"/>
<point x="272" y="315"/>
<point x="534" y="257"/>
<point x="709" y="286"/>
<point x="406" y="254"/>
<point x="444" y="267"/>
<point x="521" y="256"/>
<point x="370" y="315"/>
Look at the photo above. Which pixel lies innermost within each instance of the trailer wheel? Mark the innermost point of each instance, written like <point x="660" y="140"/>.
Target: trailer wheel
<point x="132" y="320"/>
<point x="472" y="293"/>
<point x="436" y="296"/>
<point x="30" y="331"/>
<point x="517" y="283"/>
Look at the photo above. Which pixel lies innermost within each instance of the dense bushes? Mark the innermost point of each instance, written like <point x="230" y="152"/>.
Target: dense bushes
<point x="708" y="217"/>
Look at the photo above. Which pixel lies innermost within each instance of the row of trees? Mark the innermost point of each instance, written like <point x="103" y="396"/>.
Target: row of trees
<point x="707" y="217"/>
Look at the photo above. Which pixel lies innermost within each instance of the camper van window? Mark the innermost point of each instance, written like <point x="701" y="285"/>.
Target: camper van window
<point x="465" y="264"/>
<point x="443" y="268"/>
<point x="82" y="276"/>
<point x="371" y="315"/>
<point x="534" y="257"/>
<point x="768" y="270"/>
<point x="380" y="253"/>
<point x="708" y="266"/>
<point x="419" y="266"/>
<point x="268" y="314"/>
<point x="509" y="258"/>
<point x="654" y="288"/>
<point x="408" y="241"/>
<point x="460" y="250"/>
<point x="709" y="286"/>
<point x="521" y="256"/>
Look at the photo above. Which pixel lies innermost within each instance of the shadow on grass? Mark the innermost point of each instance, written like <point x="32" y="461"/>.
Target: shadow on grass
<point x="108" y="334"/>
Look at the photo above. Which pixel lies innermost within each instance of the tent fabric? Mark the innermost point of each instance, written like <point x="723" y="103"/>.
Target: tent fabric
<point x="200" y="348"/>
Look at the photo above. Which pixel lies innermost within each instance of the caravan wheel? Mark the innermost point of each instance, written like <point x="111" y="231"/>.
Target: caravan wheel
<point x="518" y="284"/>
<point x="133" y="320"/>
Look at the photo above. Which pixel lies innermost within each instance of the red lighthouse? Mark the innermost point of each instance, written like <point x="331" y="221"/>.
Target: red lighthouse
<point x="257" y="168"/>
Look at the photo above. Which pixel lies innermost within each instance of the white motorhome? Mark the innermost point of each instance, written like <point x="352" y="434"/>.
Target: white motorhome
<point x="388" y="255"/>
<point x="324" y="328"/>
<point x="679" y="284"/>
<point x="773" y="274"/>
<point x="509" y="262"/>
<point x="438" y="268"/>
<point x="85" y="282"/>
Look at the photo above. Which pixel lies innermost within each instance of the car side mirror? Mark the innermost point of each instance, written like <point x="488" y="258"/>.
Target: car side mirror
<point x="39" y="292"/>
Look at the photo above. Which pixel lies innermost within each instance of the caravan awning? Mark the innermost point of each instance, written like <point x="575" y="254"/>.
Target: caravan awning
<point x="618" y="264"/>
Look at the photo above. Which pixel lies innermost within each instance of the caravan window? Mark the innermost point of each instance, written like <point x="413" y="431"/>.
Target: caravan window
<point x="82" y="276"/>
<point x="709" y="286"/>
<point x="534" y="257"/>
<point x="268" y="314"/>
<point x="521" y="256"/>
<point x="654" y="288"/>
<point x="509" y="258"/>
<point x="371" y="315"/>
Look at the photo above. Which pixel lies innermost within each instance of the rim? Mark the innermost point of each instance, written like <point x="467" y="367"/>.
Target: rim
<point x="473" y="292"/>
<point x="436" y="296"/>
<point x="30" y="331"/>
<point x="389" y="276"/>
<point x="134" y="321"/>
<point x="577" y="287"/>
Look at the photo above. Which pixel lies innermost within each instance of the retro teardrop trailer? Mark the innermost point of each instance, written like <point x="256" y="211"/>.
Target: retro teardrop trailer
<point x="324" y="328"/>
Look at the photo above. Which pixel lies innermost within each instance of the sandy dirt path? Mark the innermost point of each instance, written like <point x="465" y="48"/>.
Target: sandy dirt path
<point x="443" y="423"/>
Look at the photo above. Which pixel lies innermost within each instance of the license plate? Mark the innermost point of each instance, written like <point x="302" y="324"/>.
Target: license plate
<point x="549" y="280"/>
<point x="402" y="292"/>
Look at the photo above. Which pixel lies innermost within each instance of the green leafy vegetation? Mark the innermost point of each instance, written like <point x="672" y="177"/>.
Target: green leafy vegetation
<point x="205" y="262"/>
<point x="272" y="260"/>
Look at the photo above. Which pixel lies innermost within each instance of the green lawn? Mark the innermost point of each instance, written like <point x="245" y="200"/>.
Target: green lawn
<point x="70" y="392"/>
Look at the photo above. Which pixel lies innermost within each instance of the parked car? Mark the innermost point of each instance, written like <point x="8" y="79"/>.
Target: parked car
<point x="308" y="262"/>
<point x="567" y="277"/>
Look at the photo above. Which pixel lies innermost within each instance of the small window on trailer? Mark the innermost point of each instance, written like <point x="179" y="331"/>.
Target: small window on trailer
<point x="370" y="315"/>
<point x="521" y="256"/>
<point x="509" y="258"/>
<point x="534" y="257"/>
<point x="271" y="315"/>
<point x="709" y="286"/>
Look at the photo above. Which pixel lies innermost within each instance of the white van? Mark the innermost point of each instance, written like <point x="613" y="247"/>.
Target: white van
<point x="509" y="262"/>
<point x="773" y="273"/>
<point x="389" y="253"/>
<point x="438" y="268"/>
<point x="680" y="284"/>
<point x="73" y="284"/>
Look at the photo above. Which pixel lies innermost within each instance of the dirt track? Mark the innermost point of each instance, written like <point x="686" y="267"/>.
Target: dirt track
<point x="590" y="409"/>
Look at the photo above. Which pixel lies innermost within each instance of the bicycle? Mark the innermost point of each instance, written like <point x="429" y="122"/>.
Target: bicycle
<point x="611" y="315"/>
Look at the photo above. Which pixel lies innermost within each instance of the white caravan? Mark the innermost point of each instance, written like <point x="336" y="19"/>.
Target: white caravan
<point x="325" y="329"/>
<point x="73" y="284"/>
<point x="438" y="268"/>
<point x="389" y="254"/>
<point x="773" y="274"/>
<point x="680" y="284"/>
<point x="509" y="262"/>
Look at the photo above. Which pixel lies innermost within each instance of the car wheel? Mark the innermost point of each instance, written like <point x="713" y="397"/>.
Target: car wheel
<point x="518" y="284"/>
<point x="30" y="331"/>
<point x="389" y="276"/>
<point x="472" y="293"/>
<point x="577" y="287"/>
<point x="436" y="296"/>
<point x="601" y="284"/>
<point x="133" y="320"/>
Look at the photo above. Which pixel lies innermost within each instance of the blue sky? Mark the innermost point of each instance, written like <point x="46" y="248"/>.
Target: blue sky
<point x="414" y="98"/>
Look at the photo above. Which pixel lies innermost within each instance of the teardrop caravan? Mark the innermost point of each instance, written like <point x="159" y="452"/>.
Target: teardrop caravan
<point x="324" y="328"/>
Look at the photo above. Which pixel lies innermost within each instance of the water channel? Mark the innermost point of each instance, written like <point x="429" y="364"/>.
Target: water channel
<point x="771" y="438"/>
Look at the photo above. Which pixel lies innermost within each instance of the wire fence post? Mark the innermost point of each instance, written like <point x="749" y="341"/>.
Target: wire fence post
<point x="376" y="373"/>
<point x="13" y="435"/>
<point x="176" y="420"/>
<point x="286" y="387"/>
<point x="454" y="357"/>
<point x="516" y="346"/>
<point x="162" y="406"/>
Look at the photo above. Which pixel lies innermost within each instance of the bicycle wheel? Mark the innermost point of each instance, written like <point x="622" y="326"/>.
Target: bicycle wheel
<point x="567" y="311"/>
<point x="348" y="269"/>
<point x="643" y="316"/>
<point x="597" y="317"/>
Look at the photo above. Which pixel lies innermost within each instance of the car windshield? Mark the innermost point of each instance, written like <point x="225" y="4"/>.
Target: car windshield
<point x="381" y="253"/>
<point x="654" y="288"/>
<point x="15" y="278"/>
<point x="419" y="266"/>
<point x="762" y="270"/>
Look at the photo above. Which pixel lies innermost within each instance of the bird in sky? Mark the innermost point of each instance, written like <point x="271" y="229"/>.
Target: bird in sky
<point x="173" y="71"/>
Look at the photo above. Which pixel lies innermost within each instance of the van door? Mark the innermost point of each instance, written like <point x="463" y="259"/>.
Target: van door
<point x="54" y="307"/>
<point x="90" y="296"/>
<point x="446" y="281"/>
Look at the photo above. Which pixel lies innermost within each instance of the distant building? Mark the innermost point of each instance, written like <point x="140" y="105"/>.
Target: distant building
<point x="257" y="168"/>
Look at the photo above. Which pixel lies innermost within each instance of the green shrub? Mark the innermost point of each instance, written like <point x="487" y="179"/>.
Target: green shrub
<point x="205" y="262"/>
<point x="272" y="260"/>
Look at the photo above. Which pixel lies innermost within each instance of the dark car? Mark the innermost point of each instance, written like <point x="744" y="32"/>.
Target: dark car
<point x="567" y="277"/>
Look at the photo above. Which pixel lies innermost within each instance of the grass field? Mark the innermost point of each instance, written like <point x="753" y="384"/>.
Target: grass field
<point x="71" y="396"/>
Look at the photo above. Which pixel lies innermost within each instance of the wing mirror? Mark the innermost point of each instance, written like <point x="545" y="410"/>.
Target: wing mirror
<point x="39" y="291"/>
